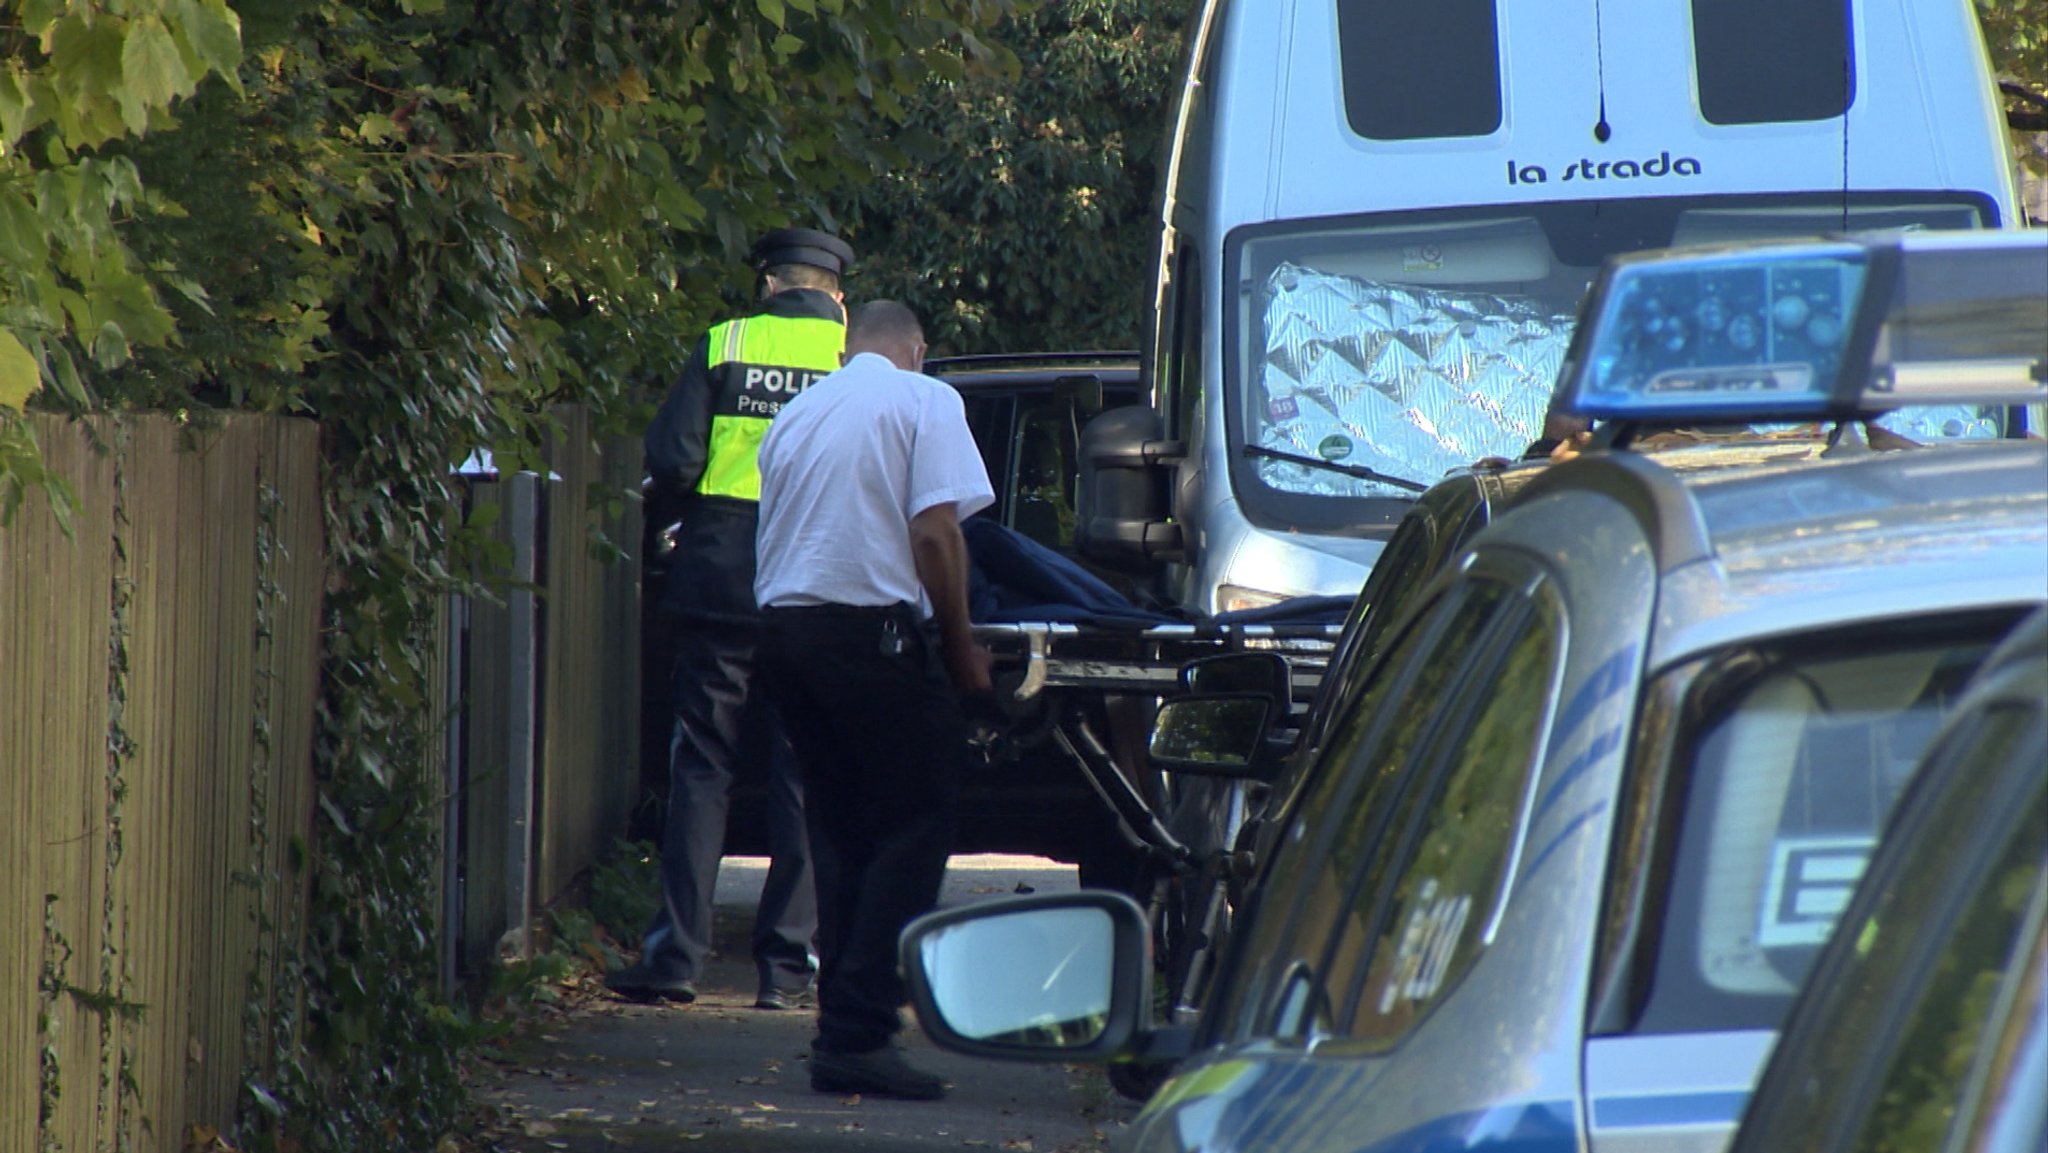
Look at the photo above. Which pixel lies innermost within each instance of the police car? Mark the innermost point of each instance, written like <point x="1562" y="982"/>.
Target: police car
<point x="1433" y="530"/>
<point x="1925" y="1024"/>
<point x="1565" y="859"/>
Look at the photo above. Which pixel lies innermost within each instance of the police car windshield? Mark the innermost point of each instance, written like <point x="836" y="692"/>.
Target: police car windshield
<point x="1794" y="768"/>
<point x="1416" y="343"/>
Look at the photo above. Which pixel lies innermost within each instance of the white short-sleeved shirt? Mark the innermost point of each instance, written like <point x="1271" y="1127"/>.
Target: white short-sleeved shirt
<point x="844" y="467"/>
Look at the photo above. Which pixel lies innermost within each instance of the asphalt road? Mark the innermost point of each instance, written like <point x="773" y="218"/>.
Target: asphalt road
<point x="720" y="1076"/>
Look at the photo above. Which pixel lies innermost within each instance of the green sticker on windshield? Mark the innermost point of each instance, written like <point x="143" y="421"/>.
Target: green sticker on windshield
<point x="1334" y="447"/>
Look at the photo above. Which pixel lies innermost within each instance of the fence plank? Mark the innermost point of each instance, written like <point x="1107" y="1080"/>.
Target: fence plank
<point x="53" y="653"/>
<point x="591" y="722"/>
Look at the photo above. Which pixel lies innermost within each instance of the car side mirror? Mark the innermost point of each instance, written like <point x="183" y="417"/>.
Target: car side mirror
<point x="1049" y="977"/>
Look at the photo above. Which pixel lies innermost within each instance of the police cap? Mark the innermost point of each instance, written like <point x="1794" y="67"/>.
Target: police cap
<point x="802" y="246"/>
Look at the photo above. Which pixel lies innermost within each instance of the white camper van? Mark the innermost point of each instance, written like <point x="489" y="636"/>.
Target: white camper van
<point x="1381" y="215"/>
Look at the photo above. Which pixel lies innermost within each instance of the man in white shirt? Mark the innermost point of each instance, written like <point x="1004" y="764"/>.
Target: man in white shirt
<point x="862" y="581"/>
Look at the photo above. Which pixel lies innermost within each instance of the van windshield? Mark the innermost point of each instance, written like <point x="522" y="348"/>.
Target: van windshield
<point x="1416" y="343"/>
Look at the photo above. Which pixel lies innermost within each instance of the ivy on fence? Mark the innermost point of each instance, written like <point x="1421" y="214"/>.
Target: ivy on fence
<point x="424" y="223"/>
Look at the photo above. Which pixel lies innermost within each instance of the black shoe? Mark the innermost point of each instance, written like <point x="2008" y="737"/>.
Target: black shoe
<point x="636" y="982"/>
<point x="776" y="999"/>
<point x="880" y="1073"/>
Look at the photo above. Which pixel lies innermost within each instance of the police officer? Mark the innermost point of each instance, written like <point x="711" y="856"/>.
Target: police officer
<point x="700" y="454"/>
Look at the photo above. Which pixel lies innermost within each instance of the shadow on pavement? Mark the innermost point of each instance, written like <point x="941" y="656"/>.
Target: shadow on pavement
<point x="603" y="1075"/>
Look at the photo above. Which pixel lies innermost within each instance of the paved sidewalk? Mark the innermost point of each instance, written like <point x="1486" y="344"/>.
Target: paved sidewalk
<point x="720" y="1075"/>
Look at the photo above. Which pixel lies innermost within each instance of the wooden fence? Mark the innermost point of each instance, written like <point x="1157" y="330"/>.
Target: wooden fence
<point x="158" y="673"/>
<point x="157" y="677"/>
<point x="551" y="685"/>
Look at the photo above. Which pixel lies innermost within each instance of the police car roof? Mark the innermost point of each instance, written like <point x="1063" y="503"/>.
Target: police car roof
<point x="1749" y="553"/>
<point x="1828" y="328"/>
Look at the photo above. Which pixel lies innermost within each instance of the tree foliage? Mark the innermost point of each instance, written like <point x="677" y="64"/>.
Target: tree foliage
<point x="424" y="222"/>
<point x="1029" y="219"/>
<point x="2016" y="32"/>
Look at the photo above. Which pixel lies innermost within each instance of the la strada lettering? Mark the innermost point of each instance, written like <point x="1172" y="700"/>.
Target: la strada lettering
<point x="1658" y="166"/>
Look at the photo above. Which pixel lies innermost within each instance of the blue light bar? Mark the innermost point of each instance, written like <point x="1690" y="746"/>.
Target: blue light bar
<point x="1835" y="329"/>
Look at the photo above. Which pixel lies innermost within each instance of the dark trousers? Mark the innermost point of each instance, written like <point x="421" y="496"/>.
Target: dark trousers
<point x="882" y="745"/>
<point x="722" y="724"/>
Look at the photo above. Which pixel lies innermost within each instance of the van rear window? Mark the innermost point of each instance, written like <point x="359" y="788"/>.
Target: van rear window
<point x="1420" y="71"/>
<point x="1772" y="61"/>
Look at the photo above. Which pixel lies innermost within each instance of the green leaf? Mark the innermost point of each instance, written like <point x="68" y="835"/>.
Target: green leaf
<point x="150" y="64"/>
<point x="19" y="375"/>
<point x="214" y="33"/>
<point x="377" y="128"/>
<point x="483" y="515"/>
<point x="787" y="45"/>
<point x="110" y="346"/>
<point x="77" y="308"/>
<point x="14" y="104"/>
<point x="264" y="1099"/>
<point x="773" y="10"/>
<point x="38" y="15"/>
<point x="68" y="381"/>
<point x="335" y="815"/>
<point x="86" y="55"/>
<point x="24" y="241"/>
<point x="373" y="766"/>
<point x="677" y="206"/>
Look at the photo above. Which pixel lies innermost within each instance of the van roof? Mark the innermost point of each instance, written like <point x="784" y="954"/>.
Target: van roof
<point x="1923" y="108"/>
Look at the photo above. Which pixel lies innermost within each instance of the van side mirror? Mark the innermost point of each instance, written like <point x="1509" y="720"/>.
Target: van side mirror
<point x="1122" y="508"/>
<point x="1083" y="391"/>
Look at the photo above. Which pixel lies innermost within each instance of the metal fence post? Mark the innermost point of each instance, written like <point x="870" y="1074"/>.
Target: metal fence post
<point x="523" y="710"/>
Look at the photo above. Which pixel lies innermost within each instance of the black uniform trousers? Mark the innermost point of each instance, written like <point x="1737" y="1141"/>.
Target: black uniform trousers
<point x="723" y="723"/>
<point x="882" y="743"/>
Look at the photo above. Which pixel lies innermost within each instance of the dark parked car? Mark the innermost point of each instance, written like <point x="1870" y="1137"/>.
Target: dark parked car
<point x="1925" y="1025"/>
<point x="1026" y="412"/>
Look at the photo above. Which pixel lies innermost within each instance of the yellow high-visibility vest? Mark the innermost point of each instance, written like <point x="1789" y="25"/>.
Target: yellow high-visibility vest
<point x="759" y="363"/>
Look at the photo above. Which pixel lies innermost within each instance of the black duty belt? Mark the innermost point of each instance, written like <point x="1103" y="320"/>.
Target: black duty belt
<point x="896" y="612"/>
